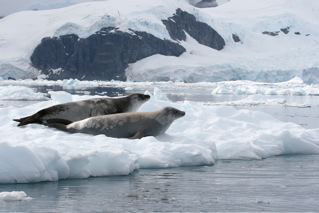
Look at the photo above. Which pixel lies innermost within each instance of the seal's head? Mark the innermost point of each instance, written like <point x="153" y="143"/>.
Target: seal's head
<point x="171" y="114"/>
<point x="137" y="100"/>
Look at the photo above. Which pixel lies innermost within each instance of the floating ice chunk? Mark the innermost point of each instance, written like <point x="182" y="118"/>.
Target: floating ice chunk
<point x="294" y="87"/>
<point x="14" y="196"/>
<point x="60" y="96"/>
<point x="207" y="133"/>
<point x="253" y="101"/>
<point x="21" y="93"/>
<point x="74" y="84"/>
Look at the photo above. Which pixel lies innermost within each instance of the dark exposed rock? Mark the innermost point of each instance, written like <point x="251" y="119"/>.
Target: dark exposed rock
<point x="307" y="34"/>
<point x="182" y="22"/>
<point x="106" y="54"/>
<point x="1" y="17"/>
<point x="236" y="38"/>
<point x="285" y="30"/>
<point x="275" y="33"/>
<point x="297" y="33"/>
<point x="102" y="56"/>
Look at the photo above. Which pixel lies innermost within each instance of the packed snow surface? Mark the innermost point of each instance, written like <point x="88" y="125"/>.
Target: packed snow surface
<point x="257" y="57"/>
<point x="14" y="196"/>
<point x="207" y="133"/>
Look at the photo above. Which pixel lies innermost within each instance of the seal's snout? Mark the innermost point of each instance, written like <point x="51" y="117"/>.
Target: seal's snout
<point x="181" y="113"/>
<point x="138" y="97"/>
<point x="176" y="113"/>
<point x="147" y="97"/>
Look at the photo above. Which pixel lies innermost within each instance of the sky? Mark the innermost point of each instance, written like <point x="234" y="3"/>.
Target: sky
<point x="10" y="6"/>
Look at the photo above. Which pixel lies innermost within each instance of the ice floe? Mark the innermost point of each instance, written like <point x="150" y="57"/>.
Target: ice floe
<point x="14" y="196"/>
<point x="207" y="133"/>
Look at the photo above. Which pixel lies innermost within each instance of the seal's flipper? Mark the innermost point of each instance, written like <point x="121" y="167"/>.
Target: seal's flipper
<point x="58" y="121"/>
<point x="138" y="135"/>
<point x="28" y="120"/>
<point x="58" y="126"/>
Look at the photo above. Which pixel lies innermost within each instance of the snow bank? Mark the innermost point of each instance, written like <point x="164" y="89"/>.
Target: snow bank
<point x="21" y="93"/>
<point x="14" y="196"/>
<point x="207" y="133"/>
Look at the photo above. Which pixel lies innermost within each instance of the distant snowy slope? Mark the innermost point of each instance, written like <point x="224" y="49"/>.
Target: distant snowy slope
<point x="256" y="56"/>
<point x="275" y="39"/>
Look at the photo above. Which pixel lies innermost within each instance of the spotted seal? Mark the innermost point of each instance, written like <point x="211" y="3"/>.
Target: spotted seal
<point x="79" y="110"/>
<point x="131" y="125"/>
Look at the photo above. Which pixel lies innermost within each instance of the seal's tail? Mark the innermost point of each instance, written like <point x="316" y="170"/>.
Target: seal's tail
<point x="27" y="120"/>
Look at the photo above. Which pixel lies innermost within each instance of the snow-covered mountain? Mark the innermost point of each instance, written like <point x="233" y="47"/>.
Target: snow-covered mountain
<point x="269" y="40"/>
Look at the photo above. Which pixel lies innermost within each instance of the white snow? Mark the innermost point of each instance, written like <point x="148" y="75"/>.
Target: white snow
<point x="257" y="57"/>
<point x="21" y="93"/>
<point x="14" y="196"/>
<point x="207" y="133"/>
